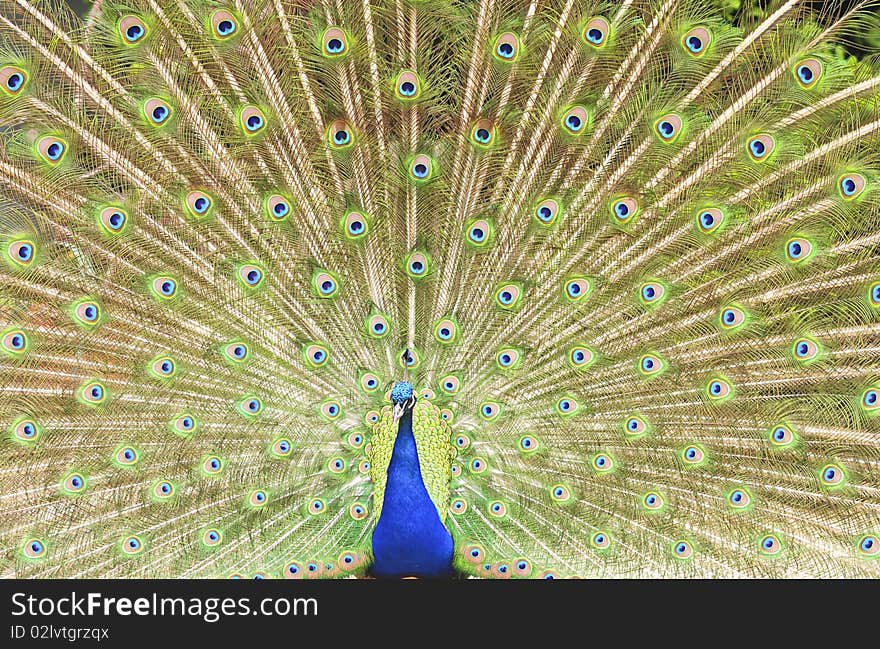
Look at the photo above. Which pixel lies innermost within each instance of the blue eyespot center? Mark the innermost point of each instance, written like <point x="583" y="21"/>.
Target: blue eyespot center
<point x="25" y="252"/>
<point x="420" y="170"/>
<point x="595" y="35"/>
<point x="14" y="81"/>
<point x="225" y="27"/>
<point x="505" y="50"/>
<point x="757" y="148"/>
<point x="54" y="150"/>
<point x="707" y="219"/>
<point x="334" y="45"/>
<point x="694" y="44"/>
<point x="201" y="204"/>
<point x="573" y="122"/>
<point x="134" y="32"/>
<point x="795" y="249"/>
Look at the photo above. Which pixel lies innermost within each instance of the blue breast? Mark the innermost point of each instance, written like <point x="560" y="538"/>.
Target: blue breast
<point x="409" y="539"/>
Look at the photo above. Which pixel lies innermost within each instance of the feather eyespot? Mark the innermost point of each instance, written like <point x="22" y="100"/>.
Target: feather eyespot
<point x="522" y="567"/>
<point x="331" y="410"/>
<point x="508" y="358"/>
<point x="250" y="406"/>
<point x="624" y="210"/>
<point x="34" y="549"/>
<point x="212" y="465"/>
<point x="113" y="220"/>
<point x="184" y="425"/>
<point x="74" y="483"/>
<point x="236" y="352"/>
<point x="377" y="326"/>
<point x="93" y="393"/>
<point x="739" y="499"/>
<point x="132" y="545"/>
<point x="462" y="442"/>
<point x="635" y="426"/>
<point x="566" y="406"/>
<point x="668" y="128"/>
<point x="446" y="331"/>
<point x="281" y="448"/>
<point x="696" y="41"/>
<point x="508" y="296"/>
<point x="719" y="389"/>
<point x="212" y="537"/>
<point x="870" y="399"/>
<point x="51" y="149"/>
<point x="603" y="463"/>
<point x="22" y="252"/>
<point x="163" y="367"/>
<point x="163" y="490"/>
<point x="223" y="25"/>
<point x="760" y="147"/>
<point x="652" y="293"/>
<point x="489" y="410"/>
<point x="26" y="430"/>
<point x="157" y="112"/>
<point x="851" y="185"/>
<point x="87" y="313"/>
<point x="473" y="553"/>
<point x="576" y="120"/>
<point x="478" y="465"/>
<point x="317" y="507"/>
<point x="418" y="265"/>
<point x="164" y="287"/>
<point x="576" y="289"/>
<point x="479" y="233"/>
<point x="595" y="32"/>
<point x="369" y="382"/>
<point x="651" y="365"/>
<point x="251" y="276"/>
<point x="278" y="207"/>
<point x="13" y="79"/>
<point x="325" y="284"/>
<point x="808" y="72"/>
<point x="781" y="436"/>
<point x="798" y="249"/>
<point x="421" y="168"/>
<point x="506" y="48"/>
<point x="869" y="546"/>
<point x="407" y="86"/>
<point x="14" y="342"/>
<point x="334" y="43"/>
<point x="132" y="29"/>
<point x="340" y="135"/>
<point x="600" y="540"/>
<point x="770" y="544"/>
<point x="355" y="225"/>
<point x="547" y="211"/>
<point x="832" y="475"/>
<point x="693" y="455"/>
<point x="358" y="511"/>
<point x="805" y="350"/>
<point x="560" y="493"/>
<point x="709" y="220"/>
<point x="458" y="506"/>
<point x="258" y="498"/>
<point x="126" y="456"/>
<point x="682" y="550"/>
<point x="450" y="384"/>
<point x="653" y="501"/>
<point x="731" y="318"/>
<point x="252" y="120"/>
<point x="198" y="204"/>
<point x="497" y="509"/>
<point x="581" y="357"/>
<point x="371" y="417"/>
<point x="483" y="133"/>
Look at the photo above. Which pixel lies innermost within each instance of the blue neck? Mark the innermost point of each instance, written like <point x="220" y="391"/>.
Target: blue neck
<point x="410" y="540"/>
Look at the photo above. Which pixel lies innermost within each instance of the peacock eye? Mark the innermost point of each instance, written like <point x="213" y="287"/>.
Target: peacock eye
<point x="489" y="410"/>
<point x="603" y="463"/>
<point x="223" y="24"/>
<point x="595" y="32"/>
<point x="417" y="265"/>
<point x="652" y="293"/>
<point x="566" y="406"/>
<point x="198" y="203"/>
<point x="851" y="185"/>
<point x="446" y="330"/>
<point x="718" y="389"/>
<point x="683" y="549"/>
<point x="22" y="252"/>
<point x="805" y="349"/>
<point x="668" y="127"/>
<point x="832" y="475"/>
<point x="51" y="149"/>
<point x="13" y="79"/>
<point x="739" y="499"/>
<point x="506" y="48"/>
<point x="560" y="493"/>
<point x="157" y="111"/>
<point x="507" y="358"/>
<point x="696" y="41"/>
<point x="624" y="210"/>
<point x="576" y="289"/>
<point x="258" y="498"/>
<point x="334" y="42"/>
<point x="421" y="168"/>
<point x="770" y="544"/>
<point x="798" y="249"/>
<point x="692" y="455"/>
<point x="14" y="342"/>
<point x="732" y="317"/>
<point x="575" y="120"/>
<point x="808" y="72"/>
<point x="479" y="233"/>
<point x="132" y="29"/>
<point x="652" y="501"/>
<point x="869" y="545"/>
<point x="508" y="296"/>
<point x="760" y="147"/>
<point x="483" y="133"/>
<point x="600" y="540"/>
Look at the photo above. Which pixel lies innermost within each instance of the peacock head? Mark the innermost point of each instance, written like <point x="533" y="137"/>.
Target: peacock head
<point x="403" y="398"/>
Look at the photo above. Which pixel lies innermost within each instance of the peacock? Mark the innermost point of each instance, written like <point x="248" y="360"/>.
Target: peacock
<point x="439" y="289"/>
